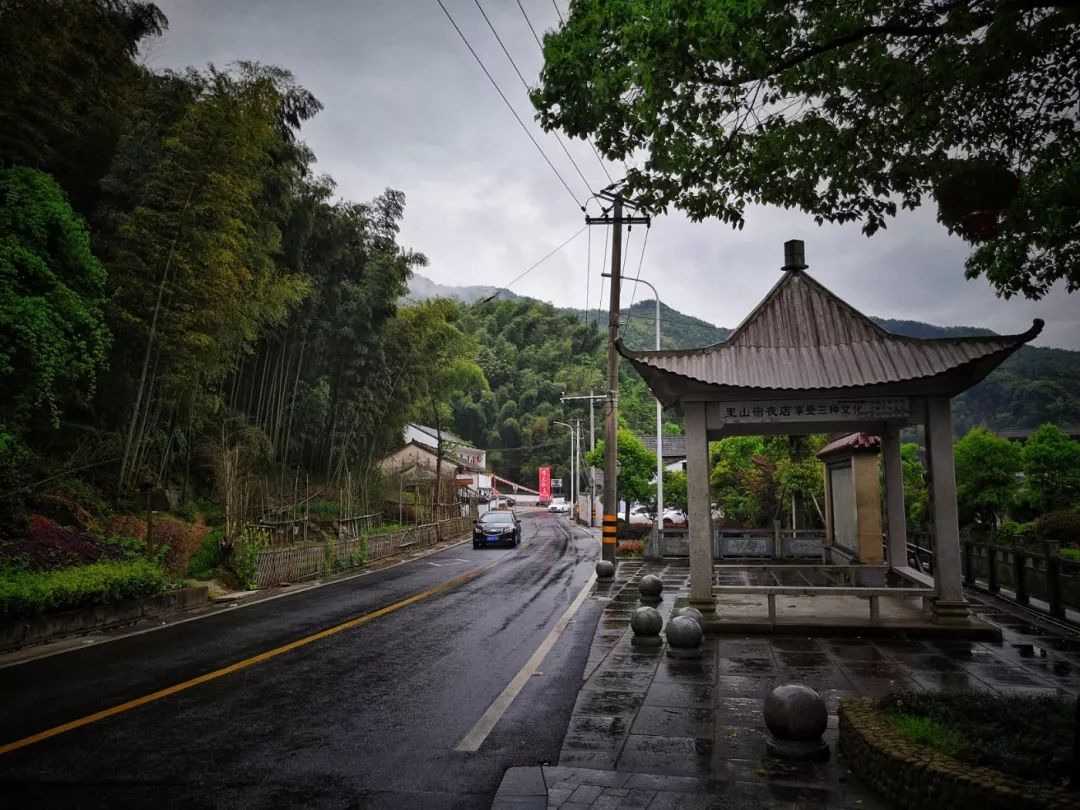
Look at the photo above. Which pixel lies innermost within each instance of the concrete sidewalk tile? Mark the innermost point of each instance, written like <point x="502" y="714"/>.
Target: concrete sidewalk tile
<point x="557" y="796"/>
<point x="607" y="702"/>
<point x="600" y="760"/>
<point x="672" y="784"/>
<point x="612" y="799"/>
<point x="739" y="743"/>
<point x="586" y="793"/>
<point x="743" y="685"/>
<point x="677" y="756"/>
<point x="559" y="776"/>
<point x="520" y="803"/>
<point x="523" y="781"/>
<point x="673" y="721"/>
<point x="740" y="711"/>
<point x="690" y="671"/>
<point x="688" y="695"/>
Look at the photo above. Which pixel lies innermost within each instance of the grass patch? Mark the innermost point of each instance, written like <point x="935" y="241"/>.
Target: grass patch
<point x="24" y="594"/>
<point x="209" y="557"/>
<point x="1030" y="736"/>
<point x="928" y="732"/>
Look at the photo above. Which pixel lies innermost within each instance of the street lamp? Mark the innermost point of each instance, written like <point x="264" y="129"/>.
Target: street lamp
<point x="573" y="453"/>
<point x="659" y="413"/>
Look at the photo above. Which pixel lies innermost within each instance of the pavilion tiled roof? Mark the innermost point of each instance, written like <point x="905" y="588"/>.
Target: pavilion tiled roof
<point x="802" y="337"/>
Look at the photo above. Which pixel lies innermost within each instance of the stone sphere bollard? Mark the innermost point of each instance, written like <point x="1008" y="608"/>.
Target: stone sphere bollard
<point x="605" y="569"/>
<point x="684" y="637"/>
<point x="796" y="718"/>
<point x="646" y="624"/>
<point x="650" y="588"/>
<point x="694" y="614"/>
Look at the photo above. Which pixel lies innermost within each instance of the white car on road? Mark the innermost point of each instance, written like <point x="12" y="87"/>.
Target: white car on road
<point x="559" y="505"/>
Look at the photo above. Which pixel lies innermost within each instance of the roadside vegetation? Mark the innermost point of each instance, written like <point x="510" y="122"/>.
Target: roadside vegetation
<point x="1022" y="735"/>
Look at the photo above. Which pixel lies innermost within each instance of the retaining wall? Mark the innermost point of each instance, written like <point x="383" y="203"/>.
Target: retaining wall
<point x="98" y="617"/>
<point x="917" y="777"/>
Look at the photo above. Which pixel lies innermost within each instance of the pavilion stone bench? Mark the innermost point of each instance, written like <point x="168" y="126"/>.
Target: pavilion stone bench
<point x="918" y="588"/>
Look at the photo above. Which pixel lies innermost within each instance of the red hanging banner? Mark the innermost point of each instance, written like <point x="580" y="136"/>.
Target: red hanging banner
<point x="545" y="483"/>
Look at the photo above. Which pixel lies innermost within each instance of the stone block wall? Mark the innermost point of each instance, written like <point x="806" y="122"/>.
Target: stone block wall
<point x="916" y="777"/>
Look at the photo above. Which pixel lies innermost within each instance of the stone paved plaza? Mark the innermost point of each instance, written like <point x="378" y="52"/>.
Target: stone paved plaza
<point x="651" y="731"/>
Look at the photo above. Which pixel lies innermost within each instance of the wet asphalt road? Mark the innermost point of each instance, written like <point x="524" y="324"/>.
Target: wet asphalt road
<point x="368" y="717"/>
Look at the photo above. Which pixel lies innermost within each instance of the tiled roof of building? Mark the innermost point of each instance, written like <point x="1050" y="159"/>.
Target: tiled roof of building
<point x="1072" y="431"/>
<point x="674" y="446"/>
<point x="852" y="443"/>
<point x="802" y="337"/>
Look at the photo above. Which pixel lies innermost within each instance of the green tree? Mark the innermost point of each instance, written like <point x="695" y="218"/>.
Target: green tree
<point x="53" y="337"/>
<point x="847" y="111"/>
<point x="675" y="493"/>
<point x="637" y="468"/>
<point x="67" y="77"/>
<point x="986" y="476"/>
<point x="916" y="498"/>
<point x="1052" y="469"/>
<point x="742" y="480"/>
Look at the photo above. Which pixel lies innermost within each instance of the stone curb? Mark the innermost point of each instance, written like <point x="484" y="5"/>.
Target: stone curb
<point x="915" y="776"/>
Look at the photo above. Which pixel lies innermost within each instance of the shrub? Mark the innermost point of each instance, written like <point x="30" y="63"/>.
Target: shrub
<point x="246" y="550"/>
<point x="1062" y="526"/>
<point x="24" y="594"/>
<point x="630" y="548"/>
<point x="1070" y="554"/>
<point x="1029" y="736"/>
<point x="48" y="546"/>
<point x="1010" y="528"/>
<point x="208" y="557"/>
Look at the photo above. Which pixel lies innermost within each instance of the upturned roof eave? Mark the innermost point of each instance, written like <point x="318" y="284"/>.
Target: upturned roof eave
<point x="664" y="383"/>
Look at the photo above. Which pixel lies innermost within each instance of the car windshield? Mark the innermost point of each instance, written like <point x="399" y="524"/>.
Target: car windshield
<point x="497" y="519"/>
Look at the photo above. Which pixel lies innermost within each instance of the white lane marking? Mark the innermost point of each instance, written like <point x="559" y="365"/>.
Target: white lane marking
<point x="454" y="561"/>
<point x="476" y="736"/>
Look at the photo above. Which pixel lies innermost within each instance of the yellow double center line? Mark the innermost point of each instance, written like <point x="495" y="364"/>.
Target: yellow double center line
<point x="239" y="665"/>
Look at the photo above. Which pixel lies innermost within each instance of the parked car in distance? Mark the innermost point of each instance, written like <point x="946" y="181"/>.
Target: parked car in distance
<point x="640" y="516"/>
<point x="559" y="505"/>
<point x="493" y="528"/>
<point x="674" y="518"/>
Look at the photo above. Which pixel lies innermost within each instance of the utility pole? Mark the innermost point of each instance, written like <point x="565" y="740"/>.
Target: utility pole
<point x="592" y="398"/>
<point x="611" y="404"/>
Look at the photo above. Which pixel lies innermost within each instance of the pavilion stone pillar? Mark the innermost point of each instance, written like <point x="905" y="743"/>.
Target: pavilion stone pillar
<point x="700" y="517"/>
<point x="950" y="606"/>
<point x="894" y="498"/>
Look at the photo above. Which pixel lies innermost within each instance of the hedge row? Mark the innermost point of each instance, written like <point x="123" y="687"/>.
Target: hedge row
<point x="24" y="594"/>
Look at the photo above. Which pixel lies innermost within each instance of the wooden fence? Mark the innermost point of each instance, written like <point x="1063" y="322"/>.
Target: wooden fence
<point x="345" y="552"/>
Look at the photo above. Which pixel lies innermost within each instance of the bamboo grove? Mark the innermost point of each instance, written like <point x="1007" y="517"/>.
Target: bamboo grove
<point x="182" y="296"/>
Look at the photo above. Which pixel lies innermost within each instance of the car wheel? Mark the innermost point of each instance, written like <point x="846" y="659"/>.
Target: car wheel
<point x="476" y="545"/>
<point x="517" y="540"/>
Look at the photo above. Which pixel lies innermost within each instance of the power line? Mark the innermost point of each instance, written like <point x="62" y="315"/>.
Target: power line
<point x="644" y="242"/>
<point x="525" y="84"/>
<point x="561" y="20"/>
<point x="509" y="106"/>
<point x="533" y="267"/>
<point x="603" y="264"/>
<point x="528" y="22"/>
<point x="588" y="279"/>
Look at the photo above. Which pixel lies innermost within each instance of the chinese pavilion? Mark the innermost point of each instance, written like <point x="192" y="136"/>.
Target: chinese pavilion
<point x="804" y="361"/>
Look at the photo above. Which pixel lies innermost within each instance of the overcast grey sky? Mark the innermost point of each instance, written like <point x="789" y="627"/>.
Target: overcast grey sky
<point x="407" y="107"/>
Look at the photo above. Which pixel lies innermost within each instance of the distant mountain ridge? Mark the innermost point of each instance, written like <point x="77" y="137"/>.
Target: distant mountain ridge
<point x="677" y="329"/>
<point x="1035" y="385"/>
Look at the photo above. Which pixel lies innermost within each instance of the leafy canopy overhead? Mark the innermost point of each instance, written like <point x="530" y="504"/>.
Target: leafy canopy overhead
<point x="844" y="110"/>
